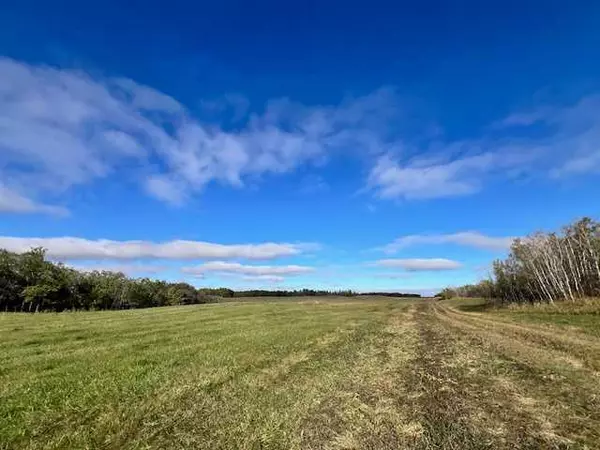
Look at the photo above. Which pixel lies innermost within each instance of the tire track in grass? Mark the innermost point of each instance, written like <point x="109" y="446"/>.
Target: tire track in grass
<point x="441" y="400"/>
<point x="518" y="344"/>
<point x="461" y="400"/>
<point x="551" y="363"/>
<point x="419" y="387"/>
<point x="364" y="410"/>
<point x="581" y="350"/>
<point x="558" y="402"/>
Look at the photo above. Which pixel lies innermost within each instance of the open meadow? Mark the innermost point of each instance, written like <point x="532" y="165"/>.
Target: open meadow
<point x="308" y="373"/>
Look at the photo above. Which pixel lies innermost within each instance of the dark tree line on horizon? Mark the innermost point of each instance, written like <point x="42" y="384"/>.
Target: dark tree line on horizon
<point x="544" y="267"/>
<point x="31" y="283"/>
<point x="317" y="293"/>
<point x="390" y="294"/>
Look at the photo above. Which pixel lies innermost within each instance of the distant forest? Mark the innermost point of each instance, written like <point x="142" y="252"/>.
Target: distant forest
<point x="314" y="293"/>
<point x="30" y="283"/>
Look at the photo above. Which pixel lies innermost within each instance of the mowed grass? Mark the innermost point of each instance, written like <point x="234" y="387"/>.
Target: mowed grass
<point x="582" y="315"/>
<point x="314" y="373"/>
<point x="208" y="376"/>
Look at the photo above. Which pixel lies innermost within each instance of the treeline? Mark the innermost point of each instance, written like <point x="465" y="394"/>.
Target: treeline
<point x="545" y="267"/>
<point x="30" y="283"/>
<point x="314" y="293"/>
<point x="294" y="293"/>
<point x="391" y="294"/>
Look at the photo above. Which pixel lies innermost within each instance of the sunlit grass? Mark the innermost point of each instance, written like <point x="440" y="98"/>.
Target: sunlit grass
<point x="582" y="315"/>
<point x="96" y="378"/>
<point x="302" y="374"/>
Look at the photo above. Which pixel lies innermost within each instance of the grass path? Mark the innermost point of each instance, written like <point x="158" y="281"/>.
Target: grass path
<point x="358" y="374"/>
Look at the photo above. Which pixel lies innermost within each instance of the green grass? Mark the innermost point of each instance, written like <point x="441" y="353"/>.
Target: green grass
<point x="583" y="315"/>
<point x="304" y="373"/>
<point x="103" y="378"/>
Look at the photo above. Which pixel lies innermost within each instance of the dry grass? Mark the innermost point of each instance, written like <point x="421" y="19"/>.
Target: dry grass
<point x="352" y="374"/>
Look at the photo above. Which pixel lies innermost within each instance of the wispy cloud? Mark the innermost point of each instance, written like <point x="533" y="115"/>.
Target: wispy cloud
<point x="419" y="264"/>
<point x="247" y="270"/>
<point x="549" y="142"/>
<point x="13" y="202"/>
<point x="69" y="248"/>
<point x="569" y="135"/>
<point x="167" y="190"/>
<point x="61" y="128"/>
<point x="413" y="181"/>
<point x="464" y="238"/>
<point x="64" y="128"/>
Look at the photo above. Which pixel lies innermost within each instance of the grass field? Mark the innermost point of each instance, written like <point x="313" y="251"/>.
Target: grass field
<point x="309" y="374"/>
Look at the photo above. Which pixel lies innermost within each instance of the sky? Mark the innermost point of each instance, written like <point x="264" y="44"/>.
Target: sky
<point x="374" y="146"/>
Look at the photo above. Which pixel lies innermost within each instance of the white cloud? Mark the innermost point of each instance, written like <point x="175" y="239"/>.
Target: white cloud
<point x="12" y="202"/>
<point x="415" y="180"/>
<point x="247" y="270"/>
<point x="569" y="135"/>
<point x="63" y="128"/>
<point x="65" y="248"/>
<point x="465" y="238"/>
<point x="170" y="191"/>
<point x="419" y="264"/>
<point x="523" y="118"/>
<point x="549" y="141"/>
<point x="580" y="165"/>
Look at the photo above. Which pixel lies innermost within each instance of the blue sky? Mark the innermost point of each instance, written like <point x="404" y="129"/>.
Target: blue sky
<point x="372" y="145"/>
